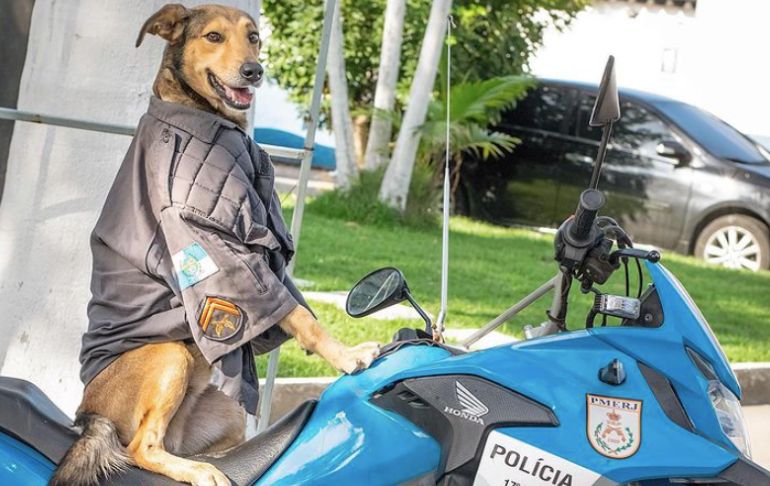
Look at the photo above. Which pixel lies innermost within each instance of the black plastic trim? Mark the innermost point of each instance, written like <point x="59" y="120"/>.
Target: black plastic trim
<point x="746" y="473"/>
<point x="667" y="398"/>
<point x="703" y="364"/>
<point x="650" y="312"/>
<point x="433" y="403"/>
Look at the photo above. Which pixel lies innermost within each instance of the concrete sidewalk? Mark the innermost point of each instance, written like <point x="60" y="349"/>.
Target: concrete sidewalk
<point x="758" y="418"/>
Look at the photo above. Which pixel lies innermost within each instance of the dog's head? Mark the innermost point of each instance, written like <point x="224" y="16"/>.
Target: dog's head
<point x="212" y="50"/>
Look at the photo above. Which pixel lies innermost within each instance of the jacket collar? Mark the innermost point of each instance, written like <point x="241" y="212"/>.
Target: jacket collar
<point x="201" y="124"/>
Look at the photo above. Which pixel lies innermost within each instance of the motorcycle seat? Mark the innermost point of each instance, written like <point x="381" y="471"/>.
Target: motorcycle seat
<point x="29" y="415"/>
<point x="250" y="460"/>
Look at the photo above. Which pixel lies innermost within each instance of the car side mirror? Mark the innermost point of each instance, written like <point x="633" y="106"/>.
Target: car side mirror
<point x="378" y="290"/>
<point x="607" y="106"/>
<point x="672" y="149"/>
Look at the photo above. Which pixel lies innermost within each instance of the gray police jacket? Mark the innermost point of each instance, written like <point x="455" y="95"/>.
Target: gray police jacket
<point x="190" y="244"/>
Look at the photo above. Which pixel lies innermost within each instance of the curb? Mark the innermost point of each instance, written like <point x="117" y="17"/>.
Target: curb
<point x="290" y="392"/>
<point x="755" y="382"/>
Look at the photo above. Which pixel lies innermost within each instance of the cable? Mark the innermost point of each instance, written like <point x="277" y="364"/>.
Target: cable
<point x="628" y="283"/>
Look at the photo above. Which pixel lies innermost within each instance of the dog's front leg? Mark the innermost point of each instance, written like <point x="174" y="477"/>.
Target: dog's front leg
<point x="310" y="336"/>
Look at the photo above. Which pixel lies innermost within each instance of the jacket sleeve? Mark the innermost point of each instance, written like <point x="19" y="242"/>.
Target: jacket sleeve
<point x="219" y="245"/>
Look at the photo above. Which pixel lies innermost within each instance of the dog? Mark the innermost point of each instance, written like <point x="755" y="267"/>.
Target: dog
<point x="154" y="404"/>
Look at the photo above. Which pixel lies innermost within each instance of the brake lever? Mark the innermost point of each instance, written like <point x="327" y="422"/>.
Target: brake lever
<point x="651" y="256"/>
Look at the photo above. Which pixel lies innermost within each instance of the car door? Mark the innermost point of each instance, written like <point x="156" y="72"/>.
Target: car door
<point x="646" y="193"/>
<point x="519" y="187"/>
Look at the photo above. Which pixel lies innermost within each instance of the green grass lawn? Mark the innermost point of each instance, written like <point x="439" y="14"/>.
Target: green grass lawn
<point x="490" y="269"/>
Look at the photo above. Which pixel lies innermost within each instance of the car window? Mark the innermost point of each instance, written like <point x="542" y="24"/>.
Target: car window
<point x="585" y="107"/>
<point x="716" y="136"/>
<point x="544" y="108"/>
<point x="638" y="130"/>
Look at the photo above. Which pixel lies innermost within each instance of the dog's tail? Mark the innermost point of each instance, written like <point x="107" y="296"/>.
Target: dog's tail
<point x="95" y="455"/>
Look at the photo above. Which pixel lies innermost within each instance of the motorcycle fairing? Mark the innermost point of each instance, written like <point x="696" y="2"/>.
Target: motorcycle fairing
<point x="349" y="440"/>
<point x="557" y="371"/>
<point x="664" y="349"/>
<point x="22" y="465"/>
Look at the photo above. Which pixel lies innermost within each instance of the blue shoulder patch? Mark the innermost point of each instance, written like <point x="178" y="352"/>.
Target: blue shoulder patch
<point x="192" y="265"/>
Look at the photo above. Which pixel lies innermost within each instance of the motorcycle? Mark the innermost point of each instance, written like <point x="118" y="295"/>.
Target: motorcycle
<point x="651" y="401"/>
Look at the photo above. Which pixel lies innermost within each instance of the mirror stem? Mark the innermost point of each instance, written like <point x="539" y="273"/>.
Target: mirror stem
<point x="428" y="324"/>
<point x="606" y="132"/>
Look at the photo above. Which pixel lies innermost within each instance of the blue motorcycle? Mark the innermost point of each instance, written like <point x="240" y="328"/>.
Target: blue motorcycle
<point x="649" y="401"/>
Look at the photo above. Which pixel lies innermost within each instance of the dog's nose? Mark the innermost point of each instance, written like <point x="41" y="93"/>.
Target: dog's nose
<point x="252" y="71"/>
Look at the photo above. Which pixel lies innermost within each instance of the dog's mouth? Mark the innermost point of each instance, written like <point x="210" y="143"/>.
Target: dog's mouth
<point x="238" y="98"/>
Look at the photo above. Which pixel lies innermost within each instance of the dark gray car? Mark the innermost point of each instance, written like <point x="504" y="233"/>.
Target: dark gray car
<point x="676" y="176"/>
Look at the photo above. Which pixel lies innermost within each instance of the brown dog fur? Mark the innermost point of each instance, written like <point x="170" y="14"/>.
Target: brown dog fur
<point x="154" y="403"/>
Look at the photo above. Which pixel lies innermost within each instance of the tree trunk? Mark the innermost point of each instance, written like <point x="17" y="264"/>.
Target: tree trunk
<point x="360" y="134"/>
<point x="380" y="128"/>
<point x="395" y="185"/>
<point x="342" y="125"/>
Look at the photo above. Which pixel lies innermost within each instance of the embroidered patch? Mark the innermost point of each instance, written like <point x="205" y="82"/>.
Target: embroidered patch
<point x="192" y="265"/>
<point x="219" y="319"/>
<point x="614" y="425"/>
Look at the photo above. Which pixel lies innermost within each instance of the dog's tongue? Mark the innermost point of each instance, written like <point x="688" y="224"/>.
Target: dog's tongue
<point x="240" y="95"/>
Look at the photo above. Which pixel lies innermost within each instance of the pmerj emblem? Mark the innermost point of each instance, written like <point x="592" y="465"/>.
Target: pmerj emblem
<point x="614" y="425"/>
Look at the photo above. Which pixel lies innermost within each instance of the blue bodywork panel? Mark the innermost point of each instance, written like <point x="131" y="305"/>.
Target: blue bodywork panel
<point x="349" y="440"/>
<point x="21" y="465"/>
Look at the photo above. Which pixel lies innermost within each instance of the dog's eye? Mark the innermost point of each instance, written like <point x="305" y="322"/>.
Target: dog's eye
<point x="253" y="37"/>
<point x="214" y="37"/>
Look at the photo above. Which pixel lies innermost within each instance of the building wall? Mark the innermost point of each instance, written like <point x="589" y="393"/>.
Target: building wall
<point x="713" y="56"/>
<point x="81" y="63"/>
<point x="14" y="31"/>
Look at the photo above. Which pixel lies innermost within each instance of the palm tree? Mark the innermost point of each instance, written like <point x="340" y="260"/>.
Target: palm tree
<point x="342" y="125"/>
<point x="395" y="184"/>
<point x="475" y="107"/>
<point x="380" y="130"/>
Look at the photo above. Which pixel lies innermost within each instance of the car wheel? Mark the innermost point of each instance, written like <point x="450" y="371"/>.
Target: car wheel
<point x="735" y="241"/>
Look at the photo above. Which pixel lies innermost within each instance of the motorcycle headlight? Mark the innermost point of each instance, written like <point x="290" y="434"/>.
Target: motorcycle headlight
<point x="730" y="415"/>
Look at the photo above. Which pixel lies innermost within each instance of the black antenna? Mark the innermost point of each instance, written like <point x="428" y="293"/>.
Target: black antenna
<point x="606" y="112"/>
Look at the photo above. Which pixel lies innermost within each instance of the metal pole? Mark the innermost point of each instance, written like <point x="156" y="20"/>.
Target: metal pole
<point x="275" y="151"/>
<point x="515" y="309"/>
<point x="11" y="114"/>
<point x="299" y="208"/>
<point x="438" y="329"/>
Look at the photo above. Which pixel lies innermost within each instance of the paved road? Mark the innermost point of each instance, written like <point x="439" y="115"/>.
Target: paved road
<point x="759" y="428"/>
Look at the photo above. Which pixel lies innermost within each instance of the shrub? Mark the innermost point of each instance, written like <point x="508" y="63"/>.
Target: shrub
<point x="360" y="202"/>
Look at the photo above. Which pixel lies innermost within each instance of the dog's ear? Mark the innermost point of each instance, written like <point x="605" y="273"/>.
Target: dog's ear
<point x="168" y="22"/>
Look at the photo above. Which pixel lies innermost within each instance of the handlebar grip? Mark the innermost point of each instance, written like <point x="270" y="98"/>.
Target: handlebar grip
<point x="591" y="201"/>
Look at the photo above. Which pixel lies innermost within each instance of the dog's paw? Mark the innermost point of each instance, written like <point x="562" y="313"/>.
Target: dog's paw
<point x="357" y="358"/>
<point x="208" y="475"/>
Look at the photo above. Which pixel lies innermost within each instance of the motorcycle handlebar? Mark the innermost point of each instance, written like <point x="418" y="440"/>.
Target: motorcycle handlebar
<point x="591" y="201"/>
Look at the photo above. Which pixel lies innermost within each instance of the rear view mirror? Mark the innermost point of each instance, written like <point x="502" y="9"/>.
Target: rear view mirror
<point x="672" y="149"/>
<point x="607" y="107"/>
<point x="381" y="288"/>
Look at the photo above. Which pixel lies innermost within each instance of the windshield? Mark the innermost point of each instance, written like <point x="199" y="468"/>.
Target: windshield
<point x="716" y="136"/>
